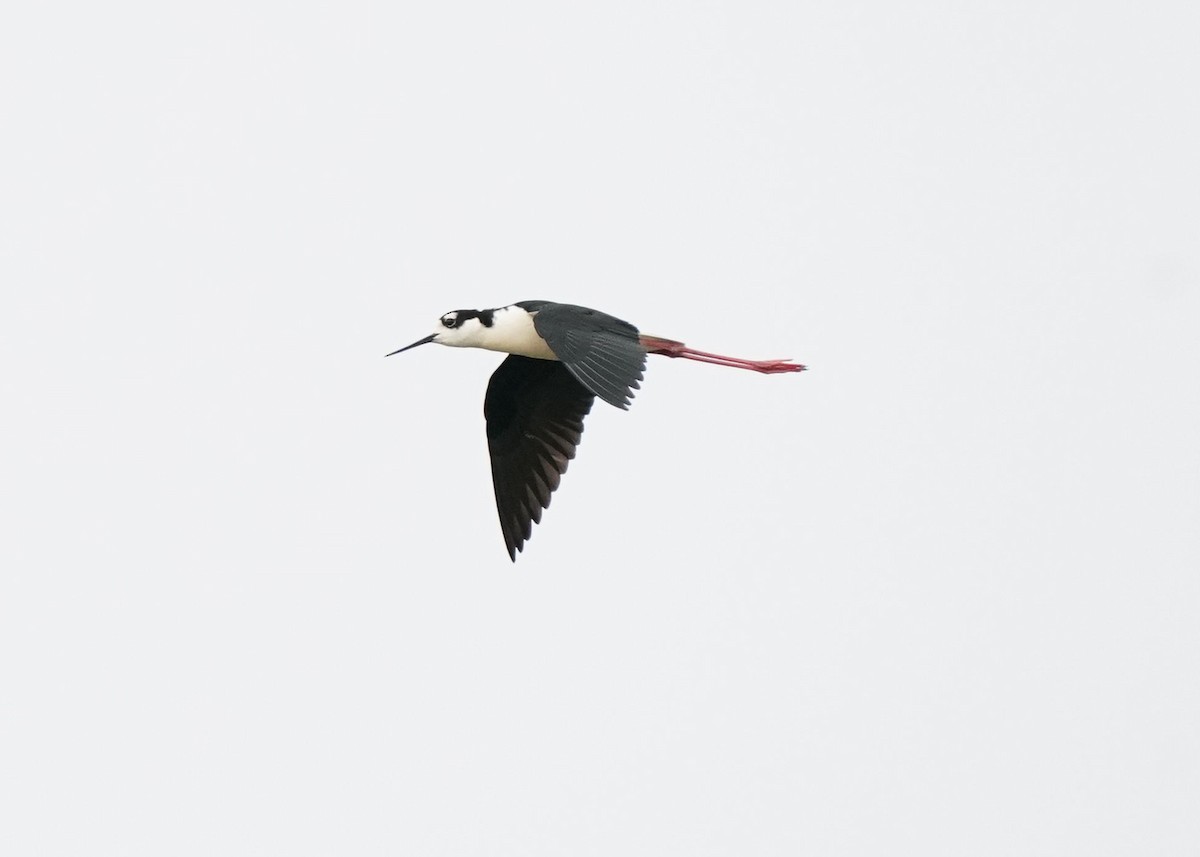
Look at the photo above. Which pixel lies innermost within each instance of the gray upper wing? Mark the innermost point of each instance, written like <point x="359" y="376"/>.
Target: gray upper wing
<point x="600" y="350"/>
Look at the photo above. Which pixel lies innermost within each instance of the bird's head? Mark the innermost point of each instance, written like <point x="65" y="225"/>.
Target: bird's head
<point x="463" y="328"/>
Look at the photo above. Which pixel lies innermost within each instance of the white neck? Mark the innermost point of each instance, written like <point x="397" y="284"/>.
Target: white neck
<point x="512" y="332"/>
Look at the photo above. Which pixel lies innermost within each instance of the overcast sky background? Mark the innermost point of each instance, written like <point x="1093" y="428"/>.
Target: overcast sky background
<point x="937" y="596"/>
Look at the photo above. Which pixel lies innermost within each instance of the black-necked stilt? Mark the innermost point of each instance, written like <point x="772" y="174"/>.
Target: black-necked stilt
<point x="561" y="357"/>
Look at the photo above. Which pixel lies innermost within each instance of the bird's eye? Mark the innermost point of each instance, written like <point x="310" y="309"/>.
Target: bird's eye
<point x="448" y="321"/>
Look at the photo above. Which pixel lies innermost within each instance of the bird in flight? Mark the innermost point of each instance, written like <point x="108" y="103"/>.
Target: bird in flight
<point x="561" y="357"/>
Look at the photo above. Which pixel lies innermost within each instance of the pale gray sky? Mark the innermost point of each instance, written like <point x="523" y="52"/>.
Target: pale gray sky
<point x="937" y="596"/>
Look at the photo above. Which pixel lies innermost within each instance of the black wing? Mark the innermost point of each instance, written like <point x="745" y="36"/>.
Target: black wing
<point x="600" y="350"/>
<point x="534" y="411"/>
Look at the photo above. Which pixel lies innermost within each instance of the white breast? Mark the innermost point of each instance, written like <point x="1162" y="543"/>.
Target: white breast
<point x="512" y="332"/>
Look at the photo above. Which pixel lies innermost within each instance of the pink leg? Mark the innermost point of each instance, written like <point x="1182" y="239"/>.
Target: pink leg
<point x="673" y="348"/>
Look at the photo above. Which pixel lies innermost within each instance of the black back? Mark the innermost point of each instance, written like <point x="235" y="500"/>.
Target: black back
<point x="601" y="351"/>
<point x="534" y="411"/>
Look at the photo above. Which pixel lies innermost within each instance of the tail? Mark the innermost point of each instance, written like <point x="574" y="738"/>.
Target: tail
<point x="658" y="345"/>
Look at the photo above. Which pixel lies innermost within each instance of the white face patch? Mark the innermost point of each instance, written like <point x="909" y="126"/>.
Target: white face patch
<point x="467" y="332"/>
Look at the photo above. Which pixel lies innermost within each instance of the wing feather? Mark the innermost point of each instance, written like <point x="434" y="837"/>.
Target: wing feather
<point x="534" y="411"/>
<point x="600" y="350"/>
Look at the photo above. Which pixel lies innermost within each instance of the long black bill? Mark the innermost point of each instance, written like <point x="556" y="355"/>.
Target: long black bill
<point x="428" y="338"/>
